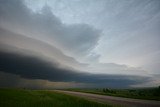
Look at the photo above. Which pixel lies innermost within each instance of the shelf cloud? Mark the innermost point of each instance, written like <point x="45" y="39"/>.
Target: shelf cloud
<point x="79" y="46"/>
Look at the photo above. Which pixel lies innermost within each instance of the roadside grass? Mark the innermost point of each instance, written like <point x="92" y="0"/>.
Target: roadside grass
<point x="143" y="93"/>
<point x="42" y="98"/>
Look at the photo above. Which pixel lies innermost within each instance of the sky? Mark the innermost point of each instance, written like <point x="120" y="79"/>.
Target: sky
<point x="79" y="43"/>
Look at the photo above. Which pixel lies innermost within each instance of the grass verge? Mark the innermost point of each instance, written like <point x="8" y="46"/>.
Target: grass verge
<point x="145" y="93"/>
<point x="42" y="98"/>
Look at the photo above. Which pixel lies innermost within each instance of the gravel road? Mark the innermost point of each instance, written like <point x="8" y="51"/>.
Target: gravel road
<point x="124" y="102"/>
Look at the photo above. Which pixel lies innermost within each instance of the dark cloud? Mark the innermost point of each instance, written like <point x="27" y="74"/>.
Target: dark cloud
<point x="24" y="63"/>
<point x="34" y="68"/>
<point x="38" y="39"/>
<point x="8" y="80"/>
<point x="13" y="42"/>
<point x="13" y="80"/>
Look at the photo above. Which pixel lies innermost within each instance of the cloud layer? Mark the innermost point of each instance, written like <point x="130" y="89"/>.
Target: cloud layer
<point x="75" y="39"/>
<point x="34" y="68"/>
<point x="38" y="47"/>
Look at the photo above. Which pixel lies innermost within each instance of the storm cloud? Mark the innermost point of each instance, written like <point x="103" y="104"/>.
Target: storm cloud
<point x="45" y="44"/>
<point x="34" y="68"/>
<point x="75" y="38"/>
<point x="33" y="59"/>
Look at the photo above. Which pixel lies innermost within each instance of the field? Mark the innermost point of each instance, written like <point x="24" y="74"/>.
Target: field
<point x="145" y="93"/>
<point x="49" y="98"/>
<point x="42" y="98"/>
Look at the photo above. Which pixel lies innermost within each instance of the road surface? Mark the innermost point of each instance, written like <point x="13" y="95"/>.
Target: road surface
<point x="124" y="102"/>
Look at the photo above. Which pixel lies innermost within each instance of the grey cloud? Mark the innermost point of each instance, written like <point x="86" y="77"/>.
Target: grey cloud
<point x="152" y="81"/>
<point x="21" y="60"/>
<point x="40" y="36"/>
<point x="113" y="68"/>
<point x="14" y="42"/>
<point x="82" y="37"/>
<point x="75" y="39"/>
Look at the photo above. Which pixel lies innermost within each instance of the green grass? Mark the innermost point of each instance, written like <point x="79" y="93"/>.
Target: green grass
<point x="42" y="98"/>
<point x="145" y="93"/>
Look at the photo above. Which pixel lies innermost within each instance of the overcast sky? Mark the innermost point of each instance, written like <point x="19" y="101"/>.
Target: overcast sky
<point x="94" y="43"/>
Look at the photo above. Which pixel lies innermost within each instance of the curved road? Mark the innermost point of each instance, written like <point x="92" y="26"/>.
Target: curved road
<point x="126" y="102"/>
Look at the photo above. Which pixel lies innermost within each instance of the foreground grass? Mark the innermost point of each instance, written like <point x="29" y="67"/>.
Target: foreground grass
<point x="41" y="98"/>
<point x="146" y="93"/>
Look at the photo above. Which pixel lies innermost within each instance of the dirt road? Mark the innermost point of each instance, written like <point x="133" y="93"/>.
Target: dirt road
<point x="124" y="102"/>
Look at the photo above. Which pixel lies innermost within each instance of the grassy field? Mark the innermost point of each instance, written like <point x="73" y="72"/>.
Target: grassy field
<point x="42" y="98"/>
<point x="145" y="93"/>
